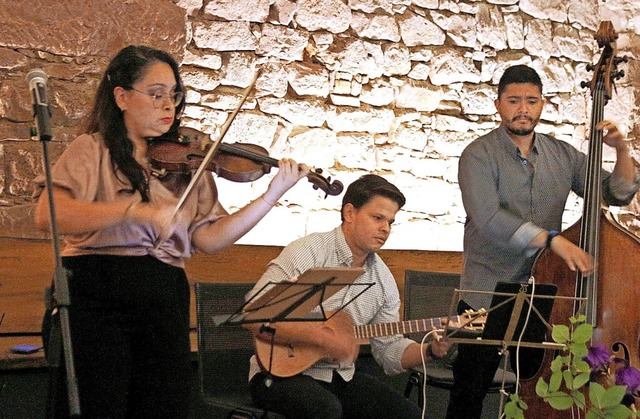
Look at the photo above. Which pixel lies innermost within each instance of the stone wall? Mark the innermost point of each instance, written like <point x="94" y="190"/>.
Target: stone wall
<point x="395" y="87"/>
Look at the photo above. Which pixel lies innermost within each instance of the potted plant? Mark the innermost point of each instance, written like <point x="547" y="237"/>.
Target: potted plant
<point x="588" y="379"/>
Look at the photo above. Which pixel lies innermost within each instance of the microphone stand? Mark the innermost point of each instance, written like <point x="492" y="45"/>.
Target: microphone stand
<point x="60" y="300"/>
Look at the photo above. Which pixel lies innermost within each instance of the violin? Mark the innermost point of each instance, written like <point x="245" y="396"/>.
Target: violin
<point x="239" y="162"/>
<point x="212" y="158"/>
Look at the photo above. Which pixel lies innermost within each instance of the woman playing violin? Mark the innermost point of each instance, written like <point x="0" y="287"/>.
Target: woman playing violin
<point x="125" y="244"/>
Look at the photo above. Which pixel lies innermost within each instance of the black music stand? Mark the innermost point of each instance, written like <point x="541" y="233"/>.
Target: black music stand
<point x="517" y="317"/>
<point x="508" y="315"/>
<point x="294" y="301"/>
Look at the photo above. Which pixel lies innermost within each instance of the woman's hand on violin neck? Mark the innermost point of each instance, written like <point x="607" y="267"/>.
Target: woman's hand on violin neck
<point x="289" y="173"/>
<point x="216" y="236"/>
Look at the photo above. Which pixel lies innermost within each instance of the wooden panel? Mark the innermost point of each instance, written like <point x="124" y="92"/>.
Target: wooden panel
<point x="26" y="269"/>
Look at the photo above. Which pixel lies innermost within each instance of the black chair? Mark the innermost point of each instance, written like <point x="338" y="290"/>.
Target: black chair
<point x="224" y="352"/>
<point x="427" y="295"/>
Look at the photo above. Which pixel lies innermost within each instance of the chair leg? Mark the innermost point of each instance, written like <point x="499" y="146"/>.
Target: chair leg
<point x="415" y="379"/>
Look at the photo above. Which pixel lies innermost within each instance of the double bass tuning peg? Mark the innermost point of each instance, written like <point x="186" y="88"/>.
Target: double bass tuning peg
<point x="618" y="60"/>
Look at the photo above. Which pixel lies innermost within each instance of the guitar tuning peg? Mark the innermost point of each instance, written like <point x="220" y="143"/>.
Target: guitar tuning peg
<point x="584" y="84"/>
<point x="619" y="74"/>
<point x="590" y="67"/>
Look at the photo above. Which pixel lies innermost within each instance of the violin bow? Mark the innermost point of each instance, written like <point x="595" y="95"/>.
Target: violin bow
<point x="213" y="147"/>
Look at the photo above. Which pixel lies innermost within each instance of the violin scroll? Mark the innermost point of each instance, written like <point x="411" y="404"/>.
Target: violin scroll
<point x="324" y="184"/>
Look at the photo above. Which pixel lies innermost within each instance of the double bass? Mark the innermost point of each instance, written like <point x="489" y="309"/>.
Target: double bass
<point x="611" y="294"/>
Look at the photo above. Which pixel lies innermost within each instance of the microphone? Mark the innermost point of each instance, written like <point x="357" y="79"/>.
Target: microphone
<point x="37" y="79"/>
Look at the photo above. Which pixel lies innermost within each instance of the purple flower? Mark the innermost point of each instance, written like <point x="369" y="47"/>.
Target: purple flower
<point x="628" y="376"/>
<point x="598" y="357"/>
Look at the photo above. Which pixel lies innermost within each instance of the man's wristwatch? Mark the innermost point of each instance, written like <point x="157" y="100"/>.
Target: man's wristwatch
<point x="550" y="235"/>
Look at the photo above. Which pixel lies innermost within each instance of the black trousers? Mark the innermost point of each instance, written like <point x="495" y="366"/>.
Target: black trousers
<point x="473" y="372"/>
<point x="303" y="397"/>
<point x="129" y="321"/>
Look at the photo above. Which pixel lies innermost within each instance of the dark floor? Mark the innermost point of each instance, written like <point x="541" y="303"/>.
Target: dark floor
<point x="23" y="395"/>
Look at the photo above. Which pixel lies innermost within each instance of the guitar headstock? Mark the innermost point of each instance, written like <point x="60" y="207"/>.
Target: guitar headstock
<point x="474" y="319"/>
<point x="470" y="320"/>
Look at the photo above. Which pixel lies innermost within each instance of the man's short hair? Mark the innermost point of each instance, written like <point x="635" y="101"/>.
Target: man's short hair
<point x="366" y="187"/>
<point x="518" y="74"/>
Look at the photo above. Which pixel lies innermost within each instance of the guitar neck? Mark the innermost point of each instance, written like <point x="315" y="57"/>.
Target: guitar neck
<point x="367" y="331"/>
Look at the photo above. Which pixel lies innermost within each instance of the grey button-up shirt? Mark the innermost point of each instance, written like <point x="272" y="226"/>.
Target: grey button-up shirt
<point x="509" y="200"/>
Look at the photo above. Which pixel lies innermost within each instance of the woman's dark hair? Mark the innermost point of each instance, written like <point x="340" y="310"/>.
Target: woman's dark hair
<point x="518" y="74"/>
<point x="125" y="69"/>
<point x="366" y="187"/>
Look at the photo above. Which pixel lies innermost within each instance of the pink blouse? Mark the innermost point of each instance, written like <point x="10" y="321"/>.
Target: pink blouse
<point x="86" y="171"/>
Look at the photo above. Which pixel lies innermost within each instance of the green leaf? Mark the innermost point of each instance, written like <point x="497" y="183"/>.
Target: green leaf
<point x="592" y="414"/>
<point x="581" y="365"/>
<point x="560" y="333"/>
<point x="512" y="410"/>
<point x="579" y="399"/>
<point x="542" y="388"/>
<point x="581" y="379"/>
<point x="557" y="364"/>
<point x="559" y="400"/>
<point x="523" y="404"/>
<point x="596" y="392"/>
<point x="555" y="381"/>
<point x="578" y="350"/>
<point x="613" y="396"/>
<point x="568" y="379"/>
<point x="583" y="333"/>
<point x="566" y="360"/>
<point x="618" y="411"/>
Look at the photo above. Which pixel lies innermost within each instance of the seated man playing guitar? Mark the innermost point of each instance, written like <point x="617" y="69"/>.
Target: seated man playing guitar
<point x="331" y="387"/>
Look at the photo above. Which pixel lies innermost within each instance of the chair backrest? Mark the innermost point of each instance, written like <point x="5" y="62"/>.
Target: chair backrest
<point x="428" y="294"/>
<point x="223" y="351"/>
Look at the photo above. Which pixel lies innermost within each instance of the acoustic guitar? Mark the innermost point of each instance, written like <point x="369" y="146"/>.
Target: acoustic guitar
<point x="286" y="360"/>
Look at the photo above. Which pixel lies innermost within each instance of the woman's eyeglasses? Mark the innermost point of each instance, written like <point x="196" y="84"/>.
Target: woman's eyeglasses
<point x="159" y="98"/>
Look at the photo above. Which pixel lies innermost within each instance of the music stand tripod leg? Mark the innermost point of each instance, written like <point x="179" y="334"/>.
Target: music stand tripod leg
<point x="272" y="332"/>
<point x="504" y="354"/>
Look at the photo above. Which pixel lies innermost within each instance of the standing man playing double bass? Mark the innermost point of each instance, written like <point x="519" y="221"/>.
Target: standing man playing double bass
<point x="515" y="184"/>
